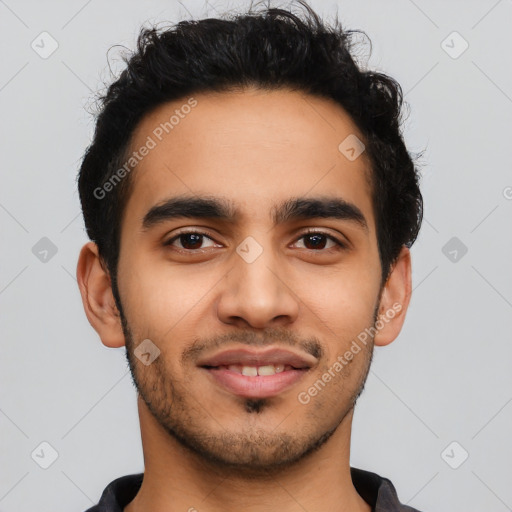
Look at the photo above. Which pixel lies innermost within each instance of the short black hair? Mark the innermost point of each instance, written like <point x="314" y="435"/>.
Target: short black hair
<point x="269" y="48"/>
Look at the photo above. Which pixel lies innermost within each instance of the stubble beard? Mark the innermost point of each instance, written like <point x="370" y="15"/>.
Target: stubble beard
<point x="253" y="453"/>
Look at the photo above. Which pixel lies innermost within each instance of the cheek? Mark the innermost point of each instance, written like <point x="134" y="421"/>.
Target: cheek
<point x="340" y="303"/>
<point x="160" y="300"/>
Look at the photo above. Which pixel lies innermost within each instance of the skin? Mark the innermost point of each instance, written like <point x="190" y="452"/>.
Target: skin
<point x="205" y="448"/>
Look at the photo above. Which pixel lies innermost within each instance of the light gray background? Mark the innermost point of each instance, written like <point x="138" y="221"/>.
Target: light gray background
<point x="446" y="378"/>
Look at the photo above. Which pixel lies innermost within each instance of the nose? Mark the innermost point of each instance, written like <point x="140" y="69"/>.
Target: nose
<point x="257" y="293"/>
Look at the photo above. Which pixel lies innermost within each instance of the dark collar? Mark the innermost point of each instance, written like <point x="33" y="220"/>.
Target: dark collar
<point x="377" y="491"/>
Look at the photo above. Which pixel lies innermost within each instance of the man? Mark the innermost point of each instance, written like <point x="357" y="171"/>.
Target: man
<point x="250" y="204"/>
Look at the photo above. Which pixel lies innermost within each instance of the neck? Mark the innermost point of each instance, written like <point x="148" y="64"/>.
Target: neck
<point x="177" y="479"/>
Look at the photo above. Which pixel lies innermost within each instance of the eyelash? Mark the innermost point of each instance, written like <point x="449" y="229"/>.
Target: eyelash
<point x="341" y="245"/>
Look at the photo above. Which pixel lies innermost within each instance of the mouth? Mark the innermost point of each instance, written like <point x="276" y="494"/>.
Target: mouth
<point x="251" y="374"/>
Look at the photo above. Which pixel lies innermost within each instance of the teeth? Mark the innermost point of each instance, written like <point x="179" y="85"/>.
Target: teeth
<point x="249" y="371"/>
<point x="267" y="370"/>
<point x="253" y="371"/>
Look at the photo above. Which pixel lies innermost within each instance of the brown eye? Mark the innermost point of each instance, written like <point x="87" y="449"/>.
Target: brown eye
<point x="189" y="241"/>
<point x="317" y="241"/>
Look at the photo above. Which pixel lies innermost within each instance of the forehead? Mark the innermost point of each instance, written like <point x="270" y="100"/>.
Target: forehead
<point x="254" y="147"/>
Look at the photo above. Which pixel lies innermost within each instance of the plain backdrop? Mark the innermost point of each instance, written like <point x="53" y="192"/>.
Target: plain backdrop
<point x="436" y="413"/>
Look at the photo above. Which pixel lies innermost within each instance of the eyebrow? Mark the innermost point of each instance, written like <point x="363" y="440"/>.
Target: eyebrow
<point x="302" y="208"/>
<point x="299" y="208"/>
<point x="192" y="207"/>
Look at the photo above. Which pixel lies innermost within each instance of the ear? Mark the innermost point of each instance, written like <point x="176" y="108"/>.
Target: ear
<point x="394" y="301"/>
<point x="97" y="298"/>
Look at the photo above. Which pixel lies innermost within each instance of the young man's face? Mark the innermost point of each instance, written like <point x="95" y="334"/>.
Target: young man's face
<point x="255" y="281"/>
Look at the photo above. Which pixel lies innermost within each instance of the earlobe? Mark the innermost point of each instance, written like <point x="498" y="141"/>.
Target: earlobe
<point x="97" y="298"/>
<point x="395" y="300"/>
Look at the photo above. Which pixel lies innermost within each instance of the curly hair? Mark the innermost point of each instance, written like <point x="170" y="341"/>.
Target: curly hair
<point x="270" y="48"/>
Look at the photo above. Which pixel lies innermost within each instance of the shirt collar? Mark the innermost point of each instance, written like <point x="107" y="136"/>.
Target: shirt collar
<point x="377" y="491"/>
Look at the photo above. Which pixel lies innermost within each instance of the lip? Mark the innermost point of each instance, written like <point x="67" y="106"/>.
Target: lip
<point x="248" y="357"/>
<point x="261" y="386"/>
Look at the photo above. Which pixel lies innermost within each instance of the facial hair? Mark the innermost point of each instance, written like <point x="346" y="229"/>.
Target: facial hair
<point x="256" y="452"/>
